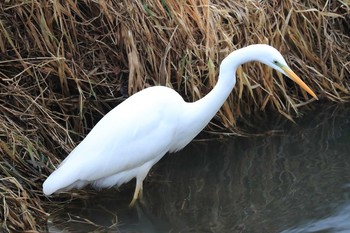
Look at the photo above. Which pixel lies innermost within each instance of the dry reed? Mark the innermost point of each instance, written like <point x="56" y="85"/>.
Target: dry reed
<point x="64" y="64"/>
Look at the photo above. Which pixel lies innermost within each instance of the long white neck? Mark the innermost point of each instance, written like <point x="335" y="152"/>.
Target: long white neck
<point x="197" y="115"/>
<point x="203" y="110"/>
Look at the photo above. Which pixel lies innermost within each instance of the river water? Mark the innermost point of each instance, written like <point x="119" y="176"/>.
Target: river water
<point x="293" y="178"/>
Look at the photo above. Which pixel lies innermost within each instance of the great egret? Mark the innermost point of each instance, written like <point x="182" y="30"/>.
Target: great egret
<point x="136" y="134"/>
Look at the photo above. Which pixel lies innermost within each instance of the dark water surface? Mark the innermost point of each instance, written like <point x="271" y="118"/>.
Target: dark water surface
<point x="294" y="180"/>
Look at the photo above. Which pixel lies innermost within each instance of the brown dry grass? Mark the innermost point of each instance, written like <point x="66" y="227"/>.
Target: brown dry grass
<point x="64" y="64"/>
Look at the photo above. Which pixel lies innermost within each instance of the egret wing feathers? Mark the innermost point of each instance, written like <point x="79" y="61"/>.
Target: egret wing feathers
<point x="126" y="139"/>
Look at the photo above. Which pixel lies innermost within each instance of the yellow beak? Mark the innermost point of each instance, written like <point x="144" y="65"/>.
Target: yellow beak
<point x="296" y="79"/>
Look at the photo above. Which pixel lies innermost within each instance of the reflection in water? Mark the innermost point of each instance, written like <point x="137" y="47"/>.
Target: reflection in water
<point x="339" y="222"/>
<point x="296" y="181"/>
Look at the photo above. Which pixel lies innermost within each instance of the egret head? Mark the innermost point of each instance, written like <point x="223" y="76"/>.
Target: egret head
<point x="273" y="58"/>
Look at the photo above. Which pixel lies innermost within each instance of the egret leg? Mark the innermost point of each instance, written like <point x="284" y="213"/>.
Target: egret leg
<point x="137" y="193"/>
<point x="139" y="181"/>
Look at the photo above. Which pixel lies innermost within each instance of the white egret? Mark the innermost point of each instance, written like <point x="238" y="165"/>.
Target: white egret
<point x="136" y="134"/>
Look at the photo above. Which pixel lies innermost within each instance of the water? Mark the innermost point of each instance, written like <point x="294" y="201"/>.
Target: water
<point x="296" y="179"/>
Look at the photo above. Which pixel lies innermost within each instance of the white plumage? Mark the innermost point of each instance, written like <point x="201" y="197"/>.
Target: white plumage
<point x="137" y="133"/>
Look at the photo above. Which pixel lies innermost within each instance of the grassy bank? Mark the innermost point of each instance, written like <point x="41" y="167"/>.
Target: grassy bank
<point x="64" y="64"/>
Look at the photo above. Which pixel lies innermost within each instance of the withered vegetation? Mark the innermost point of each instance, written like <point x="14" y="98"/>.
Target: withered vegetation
<point x="64" y="64"/>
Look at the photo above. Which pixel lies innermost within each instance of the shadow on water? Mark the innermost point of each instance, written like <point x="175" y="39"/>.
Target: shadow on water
<point x="293" y="182"/>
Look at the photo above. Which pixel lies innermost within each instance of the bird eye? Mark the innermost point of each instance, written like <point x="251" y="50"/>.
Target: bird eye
<point x="275" y="62"/>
